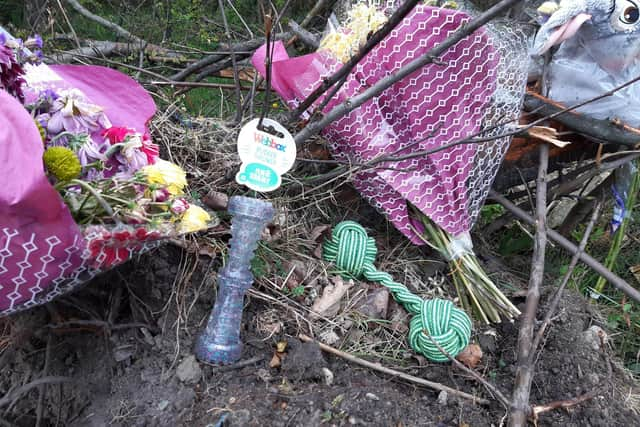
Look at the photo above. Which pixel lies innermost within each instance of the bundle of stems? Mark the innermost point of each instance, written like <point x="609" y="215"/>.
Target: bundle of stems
<point x="476" y="291"/>
<point x="618" y="237"/>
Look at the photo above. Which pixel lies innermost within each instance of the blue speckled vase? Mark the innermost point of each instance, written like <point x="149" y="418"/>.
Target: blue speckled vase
<point x="220" y="341"/>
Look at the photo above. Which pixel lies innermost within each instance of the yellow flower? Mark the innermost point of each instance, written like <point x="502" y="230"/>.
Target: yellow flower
<point x="43" y="132"/>
<point x="345" y="42"/>
<point x="62" y="163"/>
<point x="193" y="219"/>
<point x="166" y="173"/>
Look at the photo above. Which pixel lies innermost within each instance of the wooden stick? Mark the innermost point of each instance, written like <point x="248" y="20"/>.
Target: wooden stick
<point x="565" y="280"/>
<point x="105" y="23"/>
<point x="596" y="266"/>
<point x="394" y="373"/>
<point x="524" y="374"/>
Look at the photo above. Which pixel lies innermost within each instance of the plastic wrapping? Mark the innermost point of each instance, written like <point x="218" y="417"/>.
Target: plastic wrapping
<point x="478" y="83"/>
<point x="43" y="252"/>
<point x="599" y="51"/>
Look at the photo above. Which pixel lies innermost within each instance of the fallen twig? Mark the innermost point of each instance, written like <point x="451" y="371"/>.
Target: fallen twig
<point x="606" y="131"/>
<point x="490" y="387"/>
<point x="15" y="394"/>
<point x="565" y="280"/>
<point x="564" y="404"/>
<point x="406" y="377"/>
<point x="104" y="22"/>
<point x="594" y="264"/>
<point x="524" y="374"/>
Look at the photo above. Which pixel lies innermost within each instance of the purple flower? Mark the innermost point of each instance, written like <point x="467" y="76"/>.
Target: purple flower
<point x="34" y="42"/>
<point x="89" y="151"/>
<point x="71" y="112"/>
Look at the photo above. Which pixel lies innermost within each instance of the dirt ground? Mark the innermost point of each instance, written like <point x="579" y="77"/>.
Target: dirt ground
<point x="124" y="343"/>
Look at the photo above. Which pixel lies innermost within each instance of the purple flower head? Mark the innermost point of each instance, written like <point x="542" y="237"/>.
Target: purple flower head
<point x="72" y="112"/>
<point x="87" y="149"/>
<point x="34" y="42"/>
<point x="130" y="155"/>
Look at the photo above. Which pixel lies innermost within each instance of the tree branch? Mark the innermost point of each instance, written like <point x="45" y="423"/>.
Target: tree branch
<point x="520" y="408"/>
<point x="596" y="266"/>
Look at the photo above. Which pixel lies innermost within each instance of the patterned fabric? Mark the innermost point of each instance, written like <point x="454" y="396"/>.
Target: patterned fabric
<point x="477" y="83"/>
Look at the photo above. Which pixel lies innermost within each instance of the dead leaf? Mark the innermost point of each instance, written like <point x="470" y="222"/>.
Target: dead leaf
<point x="216" y="200"/>
<point x="328" y="304"/>
<point x="281" y="346"/>
<point x="375" y="304"/>
<point x="276" y="361"/>
<point x="547" y="134"/>
<point x="470" y="356"/>
<point x="319" y="231"/>
<point x="317" y="252"/>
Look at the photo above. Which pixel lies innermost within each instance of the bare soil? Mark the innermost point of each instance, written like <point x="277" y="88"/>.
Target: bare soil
<point x="123" y="374"/>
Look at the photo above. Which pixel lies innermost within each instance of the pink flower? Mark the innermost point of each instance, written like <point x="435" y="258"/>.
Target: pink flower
<point x="151" y="150"/>
<point x="116" y="134"/>
<point x="160" y="195"/>
<point x="179" y="206"/>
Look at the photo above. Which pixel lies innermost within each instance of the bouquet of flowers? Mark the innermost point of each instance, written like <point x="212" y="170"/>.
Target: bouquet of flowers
<point x="83" y="188"/>
<point x="474" y="85"/>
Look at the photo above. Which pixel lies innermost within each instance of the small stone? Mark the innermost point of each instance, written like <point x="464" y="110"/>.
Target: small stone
<point x="352" y="421"/>
<point x="594" y="337"/>
<point x="189" y="370"/>
<point x="371" y="396"/>
<point x="443" y="397"/>
<point x="239" y="418"/>
<point x="163" y="405"/>
<point x="328" y="376"/>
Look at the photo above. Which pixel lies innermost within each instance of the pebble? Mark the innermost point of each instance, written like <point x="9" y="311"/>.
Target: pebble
<point x="328" y="376"/>
<point x="163" y="405"/>
<point x="443" y="397"/>
<point x="371" y="396"/>
<point x="189" y="370"/>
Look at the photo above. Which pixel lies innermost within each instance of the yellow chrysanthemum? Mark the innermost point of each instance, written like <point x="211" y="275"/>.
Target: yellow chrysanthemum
<point x="362" y="21"/>
<point x="340" y="45"/>
<point x="62" y="163"/>
<point x="43" y="132"/>
<point x="193" y="219"/>
<point x="168" y="174"/>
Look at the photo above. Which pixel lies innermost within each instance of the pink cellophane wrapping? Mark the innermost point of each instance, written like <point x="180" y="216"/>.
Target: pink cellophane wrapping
<point x="475" y="83"/>
<point x="43" y="253"/>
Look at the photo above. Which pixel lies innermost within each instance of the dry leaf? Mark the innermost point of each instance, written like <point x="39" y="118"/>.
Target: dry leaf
<point x="547" y="134"/>
<point x="276" y="361"/>
<point x="470" y="356"/>
<point x="216" y="200"/>
<point x="328" y="304"/>
<point x="281" y="346"/>
<point x="319" y="231"/>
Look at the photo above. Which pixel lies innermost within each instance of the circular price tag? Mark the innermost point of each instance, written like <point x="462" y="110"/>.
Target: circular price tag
<point x="266" y="154"/>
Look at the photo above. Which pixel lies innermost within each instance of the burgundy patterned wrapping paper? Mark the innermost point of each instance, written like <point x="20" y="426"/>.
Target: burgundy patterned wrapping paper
<point x="473" y="84"/>
<point x="43" y="252"/>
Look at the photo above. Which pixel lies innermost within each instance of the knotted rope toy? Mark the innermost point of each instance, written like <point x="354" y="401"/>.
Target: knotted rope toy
<point x="354" y="253"/>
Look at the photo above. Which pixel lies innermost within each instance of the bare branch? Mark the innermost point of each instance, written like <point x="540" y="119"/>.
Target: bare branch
<point x="520" y="408"/>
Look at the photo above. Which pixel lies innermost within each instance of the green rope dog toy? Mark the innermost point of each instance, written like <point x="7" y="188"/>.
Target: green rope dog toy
<point x="354" y="253"/>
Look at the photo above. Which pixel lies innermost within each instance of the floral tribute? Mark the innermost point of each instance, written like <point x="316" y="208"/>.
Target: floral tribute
<point x="84" y="188"/>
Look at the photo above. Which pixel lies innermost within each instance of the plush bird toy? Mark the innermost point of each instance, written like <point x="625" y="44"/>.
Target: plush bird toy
<point x="599" y="49"/>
